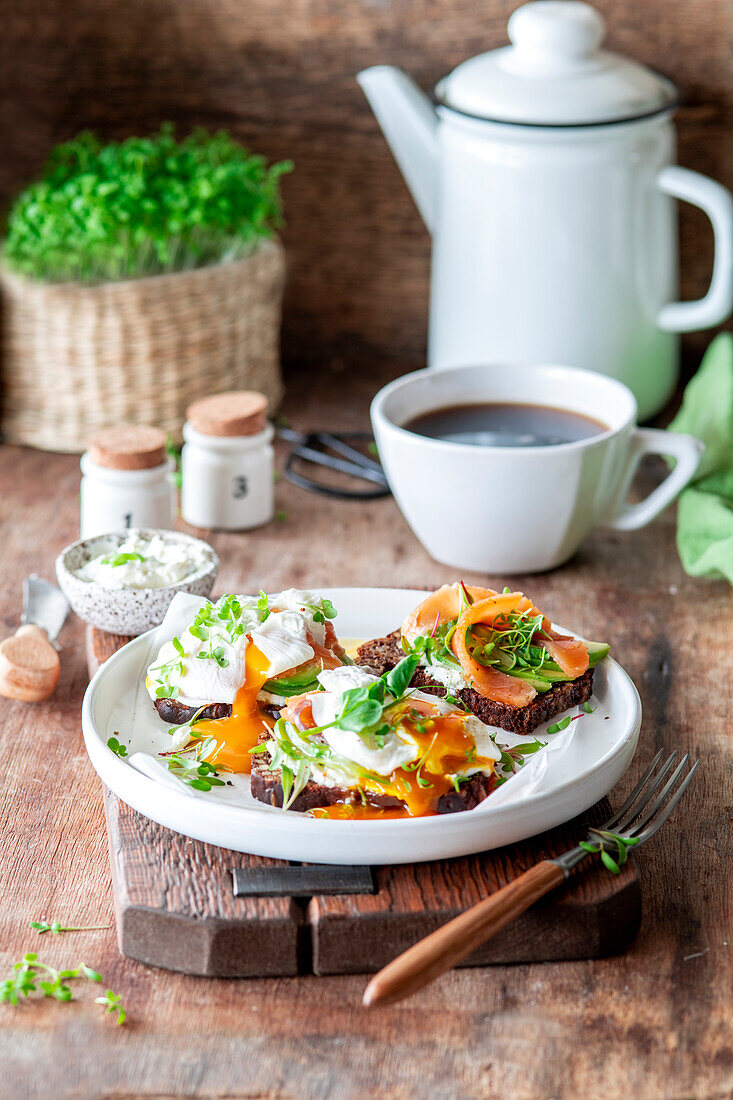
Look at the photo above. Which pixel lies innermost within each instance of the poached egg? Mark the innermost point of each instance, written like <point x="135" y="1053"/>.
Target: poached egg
<point x="231" y="649"/>
<point x="421" y="748"/>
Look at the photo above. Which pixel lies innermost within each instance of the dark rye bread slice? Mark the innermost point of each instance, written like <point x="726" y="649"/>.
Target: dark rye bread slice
<point x="177" y="714"/>
<point x="382" y="654"/>
<point x="266" y="786"/>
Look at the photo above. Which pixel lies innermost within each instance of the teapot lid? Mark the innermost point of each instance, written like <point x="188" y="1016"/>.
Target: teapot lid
<point x="555" y="74"/>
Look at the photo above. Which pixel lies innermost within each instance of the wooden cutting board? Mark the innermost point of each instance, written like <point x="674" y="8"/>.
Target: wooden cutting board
<point x="176" y="907"/>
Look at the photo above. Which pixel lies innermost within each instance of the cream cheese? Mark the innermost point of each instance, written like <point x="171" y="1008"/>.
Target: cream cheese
<point x="140" y="562"/>
<point x="451" y="678"/>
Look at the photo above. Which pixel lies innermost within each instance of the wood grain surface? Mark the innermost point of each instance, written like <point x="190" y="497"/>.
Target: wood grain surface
<point x="652" y="1024"/>
<point x="179" y="911"/>
<point x="280" y="76"/>
<point x="174" y="905"/>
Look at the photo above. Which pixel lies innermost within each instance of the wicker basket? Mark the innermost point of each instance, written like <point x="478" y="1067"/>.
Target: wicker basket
<point x="77" y="358"/>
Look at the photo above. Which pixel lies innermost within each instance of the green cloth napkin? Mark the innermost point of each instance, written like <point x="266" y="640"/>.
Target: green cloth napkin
<point x="705" y="514"/>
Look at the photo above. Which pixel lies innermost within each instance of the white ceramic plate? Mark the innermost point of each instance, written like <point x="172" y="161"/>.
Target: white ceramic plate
<point x="577" y="768"/>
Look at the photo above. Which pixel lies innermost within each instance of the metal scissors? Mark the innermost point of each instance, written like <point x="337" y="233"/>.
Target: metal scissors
<point x="329" y="451"/>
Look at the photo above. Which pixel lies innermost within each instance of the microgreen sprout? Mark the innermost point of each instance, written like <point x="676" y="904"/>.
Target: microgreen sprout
<point x="417" y="765"/>
<point x="116" y="747"/>
<point x="561" y="724"/>
<point x="621" y="844"/>
<point x="325" y="611"/>
<point x="456" y="702"/>
<point x="112" y="1003"/>
<point x="214" y="653"/>
<point x="31" y="975"/>
<point x="56" y="927"/>
<point x="191" y="767"/>
<point x="200" y="775"/>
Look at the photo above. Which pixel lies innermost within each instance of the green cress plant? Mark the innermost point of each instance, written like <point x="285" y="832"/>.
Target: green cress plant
<point x="30" y="975"/>
<point x="142" y="206"/>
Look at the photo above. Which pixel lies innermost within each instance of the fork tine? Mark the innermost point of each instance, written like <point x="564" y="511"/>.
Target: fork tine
<point x="657" y="805"/>
<point x="629" y="819"/>
<point x="671" y="805"/>
<point x="634" y="794"/>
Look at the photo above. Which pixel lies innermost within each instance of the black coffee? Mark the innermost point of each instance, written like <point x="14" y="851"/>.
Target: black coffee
<point x="504" y="425"/>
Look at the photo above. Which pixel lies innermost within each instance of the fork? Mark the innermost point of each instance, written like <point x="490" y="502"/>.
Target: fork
<point x="631" y="826"/>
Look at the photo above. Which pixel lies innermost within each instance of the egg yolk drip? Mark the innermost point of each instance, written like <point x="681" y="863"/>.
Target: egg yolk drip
<point x="444" y="749"/>
<point x="238" y="734"/>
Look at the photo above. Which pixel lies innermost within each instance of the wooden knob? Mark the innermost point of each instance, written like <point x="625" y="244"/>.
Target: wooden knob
<point x="238" y="413"/>
<point x="29" y="665"/>
<point x="127" y="447"/>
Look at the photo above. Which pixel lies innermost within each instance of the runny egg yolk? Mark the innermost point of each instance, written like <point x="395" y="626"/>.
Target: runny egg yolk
<point x="237" y="735"/>
<point x="444" y="749"/>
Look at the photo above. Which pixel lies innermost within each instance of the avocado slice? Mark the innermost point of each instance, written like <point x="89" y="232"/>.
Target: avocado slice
<point x="300" y="682"/>
<point x="552" y="674"/>
<point x="596" y="652"/>
<point x="294" y="685"/>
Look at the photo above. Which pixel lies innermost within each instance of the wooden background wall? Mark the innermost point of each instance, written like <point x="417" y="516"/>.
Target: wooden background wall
<point x="280" y="75"/>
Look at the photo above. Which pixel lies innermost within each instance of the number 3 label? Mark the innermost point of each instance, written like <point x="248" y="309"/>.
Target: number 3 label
<point x="240" y="488"/>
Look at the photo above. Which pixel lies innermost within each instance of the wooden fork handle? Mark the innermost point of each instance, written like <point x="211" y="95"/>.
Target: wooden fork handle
<point x="442" y="949"/>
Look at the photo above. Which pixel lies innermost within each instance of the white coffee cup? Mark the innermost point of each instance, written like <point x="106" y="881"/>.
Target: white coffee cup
<point x="520" y="509"/>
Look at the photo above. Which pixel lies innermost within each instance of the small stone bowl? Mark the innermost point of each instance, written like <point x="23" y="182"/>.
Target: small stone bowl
<point x="128" y="611"/>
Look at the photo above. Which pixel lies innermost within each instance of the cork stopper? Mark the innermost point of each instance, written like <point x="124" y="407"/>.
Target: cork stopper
<point x="241" y="412"/>
<point x="127" y="447"/>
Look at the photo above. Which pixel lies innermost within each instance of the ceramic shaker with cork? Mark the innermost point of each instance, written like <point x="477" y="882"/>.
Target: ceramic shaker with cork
<point x="127" y="481"/>
<point x="227" y="463"/>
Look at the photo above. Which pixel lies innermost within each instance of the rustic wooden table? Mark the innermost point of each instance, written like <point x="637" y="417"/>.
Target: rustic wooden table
<point x="653" y="1023"/>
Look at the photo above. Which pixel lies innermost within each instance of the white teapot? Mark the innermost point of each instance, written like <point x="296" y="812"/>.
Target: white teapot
<point x="544" y="172"/>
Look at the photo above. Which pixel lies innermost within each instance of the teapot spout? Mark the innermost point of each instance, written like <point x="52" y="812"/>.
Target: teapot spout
<point x="410" y="124"/>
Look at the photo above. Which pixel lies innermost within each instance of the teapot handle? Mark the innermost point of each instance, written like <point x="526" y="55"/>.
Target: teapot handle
<point x="716" y="201"/>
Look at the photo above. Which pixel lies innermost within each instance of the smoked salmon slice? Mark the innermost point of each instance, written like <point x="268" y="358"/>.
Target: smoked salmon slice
<point x="447" y="604"/>
<point x="489" y="681"/>
<point x="570" y="654"/>
<point x="442" y="606"/>
<point x="327" y="658"/>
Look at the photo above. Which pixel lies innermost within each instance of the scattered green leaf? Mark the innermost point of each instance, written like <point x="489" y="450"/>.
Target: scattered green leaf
<point x="562" y="724"/>
<point x="41" y="926"/>
<point x="31" y="975"/>
<point x="618" y="844"/>
<point x="112" y="1003"/>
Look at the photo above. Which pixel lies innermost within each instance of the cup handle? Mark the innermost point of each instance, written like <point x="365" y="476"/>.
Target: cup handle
<point x="686" y="449"/>
<point x="716" y="201"/>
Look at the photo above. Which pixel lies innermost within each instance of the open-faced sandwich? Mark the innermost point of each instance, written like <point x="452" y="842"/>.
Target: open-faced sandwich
<point x="366" y="746"/>
<point x="238" y="663"/>
<point x="494" y="653"/>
